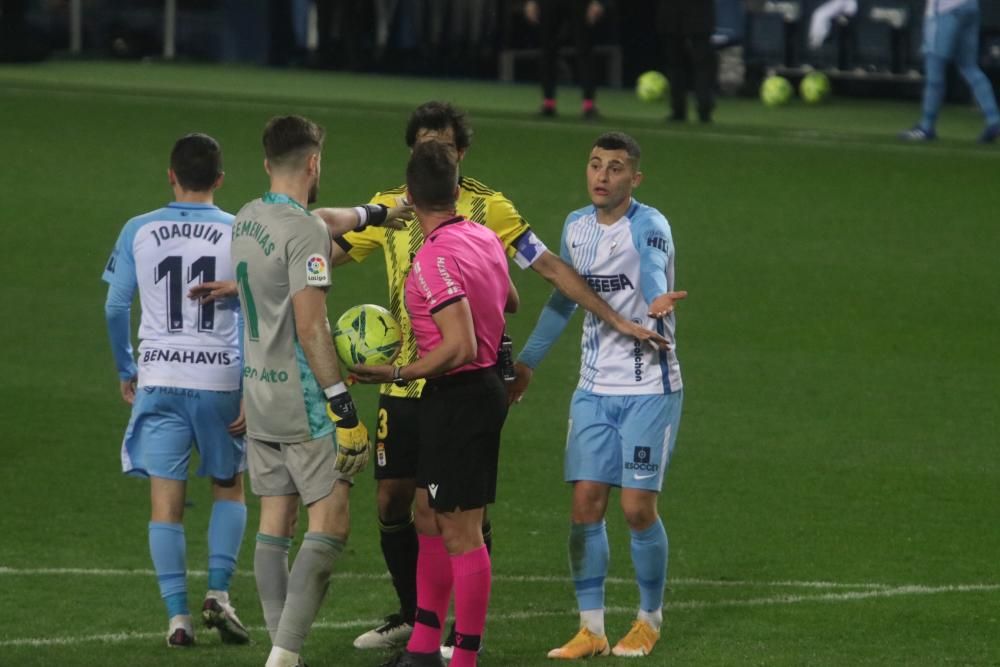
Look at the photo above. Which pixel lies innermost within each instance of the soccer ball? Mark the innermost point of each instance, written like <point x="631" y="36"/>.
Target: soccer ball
<point x="814" y="87"/>
<point x="651" y="86"/>
<point x="367" y="335"/>
<point x="775" y="91"/>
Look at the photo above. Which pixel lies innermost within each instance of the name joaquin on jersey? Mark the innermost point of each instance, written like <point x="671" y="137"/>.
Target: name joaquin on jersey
<point x="186" y="230"/>
<point x="197" y="357"/>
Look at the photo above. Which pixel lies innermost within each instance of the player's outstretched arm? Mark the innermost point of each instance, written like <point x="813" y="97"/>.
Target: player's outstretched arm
<point x="566" y="280"/>
<point x="117" y="313"/>
<point x="551" y="323"/>
<point x="342" y="220"/>
<point x="654" y="259"/>
<point x="458" y="346"/>
<point x="239" y="425"/>
<point x="522" y="378"/>
<point x="513" y="297"/>
<point x="313" y="331"/>
<point x="128" y="389"/>
<point x="664" y="304"/>
<point x="214" y="290"/>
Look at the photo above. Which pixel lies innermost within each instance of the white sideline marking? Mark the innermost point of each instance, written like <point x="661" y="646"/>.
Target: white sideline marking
<point x="850" y="596"/>
<point x="529" y="578"/>
<point x="835" y="139"/>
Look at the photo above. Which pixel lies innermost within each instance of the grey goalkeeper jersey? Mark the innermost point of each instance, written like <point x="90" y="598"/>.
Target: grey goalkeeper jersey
<point x="278" y="249"/>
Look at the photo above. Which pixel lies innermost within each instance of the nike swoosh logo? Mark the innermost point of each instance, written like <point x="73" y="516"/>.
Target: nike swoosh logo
<point x="575" y="244"/>
<point x="641" y="477"/>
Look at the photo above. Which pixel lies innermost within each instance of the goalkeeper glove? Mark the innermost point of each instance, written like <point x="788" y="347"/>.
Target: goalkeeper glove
<point x="352" y="436"/>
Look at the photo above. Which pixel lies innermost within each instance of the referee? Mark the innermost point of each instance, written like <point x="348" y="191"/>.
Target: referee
<point x="456" y="295"/>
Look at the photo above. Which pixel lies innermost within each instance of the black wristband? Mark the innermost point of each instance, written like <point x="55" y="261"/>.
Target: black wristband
<point x="377" y="214"/>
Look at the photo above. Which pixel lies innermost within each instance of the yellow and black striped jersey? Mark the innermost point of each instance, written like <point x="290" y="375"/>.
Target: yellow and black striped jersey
<point x="476" y="202"/>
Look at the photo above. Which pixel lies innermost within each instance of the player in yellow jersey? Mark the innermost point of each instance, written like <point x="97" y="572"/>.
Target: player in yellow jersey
<point x="396" y="446"/>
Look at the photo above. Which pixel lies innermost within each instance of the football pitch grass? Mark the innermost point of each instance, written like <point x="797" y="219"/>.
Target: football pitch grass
<point x="833" y="495"/>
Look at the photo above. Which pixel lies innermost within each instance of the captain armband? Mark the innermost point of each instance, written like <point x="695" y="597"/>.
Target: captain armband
<point x="528" y="248"/>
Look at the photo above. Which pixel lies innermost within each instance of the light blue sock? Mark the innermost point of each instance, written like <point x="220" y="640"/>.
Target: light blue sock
<point x="982" y="90"/>
<point x="649" y="558"/>
<point x="588" y="563"/>
<point x="167" y="546"/>
<point x="225" y="534"/>
<point x="934" y="88"/>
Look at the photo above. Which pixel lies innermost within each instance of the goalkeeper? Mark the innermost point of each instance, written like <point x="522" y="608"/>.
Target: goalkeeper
<point x="295" y="398"/>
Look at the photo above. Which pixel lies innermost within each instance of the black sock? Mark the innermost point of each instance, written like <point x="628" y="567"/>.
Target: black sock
<point x="399" y="549"/>
<point x="488" y="536"/>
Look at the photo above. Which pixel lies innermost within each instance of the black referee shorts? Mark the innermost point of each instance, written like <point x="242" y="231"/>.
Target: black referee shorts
<point x="460" y="420"/>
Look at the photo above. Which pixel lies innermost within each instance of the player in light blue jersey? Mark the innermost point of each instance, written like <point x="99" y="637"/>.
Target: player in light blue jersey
<point x="185" y="389"/>
<point x="951" y="32"/>
<point x="626" y="409"/>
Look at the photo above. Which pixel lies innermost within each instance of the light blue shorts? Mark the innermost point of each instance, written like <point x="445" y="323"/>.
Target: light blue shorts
<point x="954" y="35"/>
<point x="168" y="422"/>
<point x="623" y="441"/>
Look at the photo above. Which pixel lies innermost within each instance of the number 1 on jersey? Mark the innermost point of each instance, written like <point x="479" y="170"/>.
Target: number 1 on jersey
<point x="243" y="281"/>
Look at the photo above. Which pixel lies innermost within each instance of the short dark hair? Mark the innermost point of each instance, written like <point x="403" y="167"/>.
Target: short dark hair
<point x="439" y="116"/>
<point x="432" y="175"/>
<point x="196" y="161"/>
<point x="613" y="141"/>
<point x="288" y="139"/>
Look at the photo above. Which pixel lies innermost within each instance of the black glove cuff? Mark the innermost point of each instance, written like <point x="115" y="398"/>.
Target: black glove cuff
<point x="377" y="214"/>
<point x="342" y="405"/>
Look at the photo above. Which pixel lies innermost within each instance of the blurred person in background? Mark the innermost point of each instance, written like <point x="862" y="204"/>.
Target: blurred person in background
<point x="951" y="33"/>
<point x="583" y="17"/>
<point x="686" y="27"/>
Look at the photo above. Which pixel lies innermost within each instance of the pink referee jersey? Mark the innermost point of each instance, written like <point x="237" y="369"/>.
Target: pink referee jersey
<point x="459" y="260"/>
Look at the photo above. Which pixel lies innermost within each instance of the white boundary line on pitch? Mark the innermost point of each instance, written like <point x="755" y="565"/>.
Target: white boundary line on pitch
<point x="531" y="578"/>
<point x="851" y="596"/>
<point x="789" y="136"/>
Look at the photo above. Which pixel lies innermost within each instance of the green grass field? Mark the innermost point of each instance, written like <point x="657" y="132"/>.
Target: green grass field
<point x="833" y="497"/>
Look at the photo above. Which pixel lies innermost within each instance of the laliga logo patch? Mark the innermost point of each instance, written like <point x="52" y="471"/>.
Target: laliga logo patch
<point x="316" y="271"/>
<point x="380" y="454"/>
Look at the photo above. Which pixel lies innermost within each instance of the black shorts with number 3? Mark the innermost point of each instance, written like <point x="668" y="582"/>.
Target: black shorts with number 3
<point x="460" y="420"/>
<point x="396" y="438"/>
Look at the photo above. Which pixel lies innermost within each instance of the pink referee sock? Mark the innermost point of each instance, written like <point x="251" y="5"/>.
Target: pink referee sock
<point x="472" y="598"/>
<point x="433" y="594"/>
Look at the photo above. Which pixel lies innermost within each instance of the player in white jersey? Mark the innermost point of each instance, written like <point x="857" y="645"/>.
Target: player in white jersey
<point x="626" y="409"/>
<point x="185" y="391"/>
